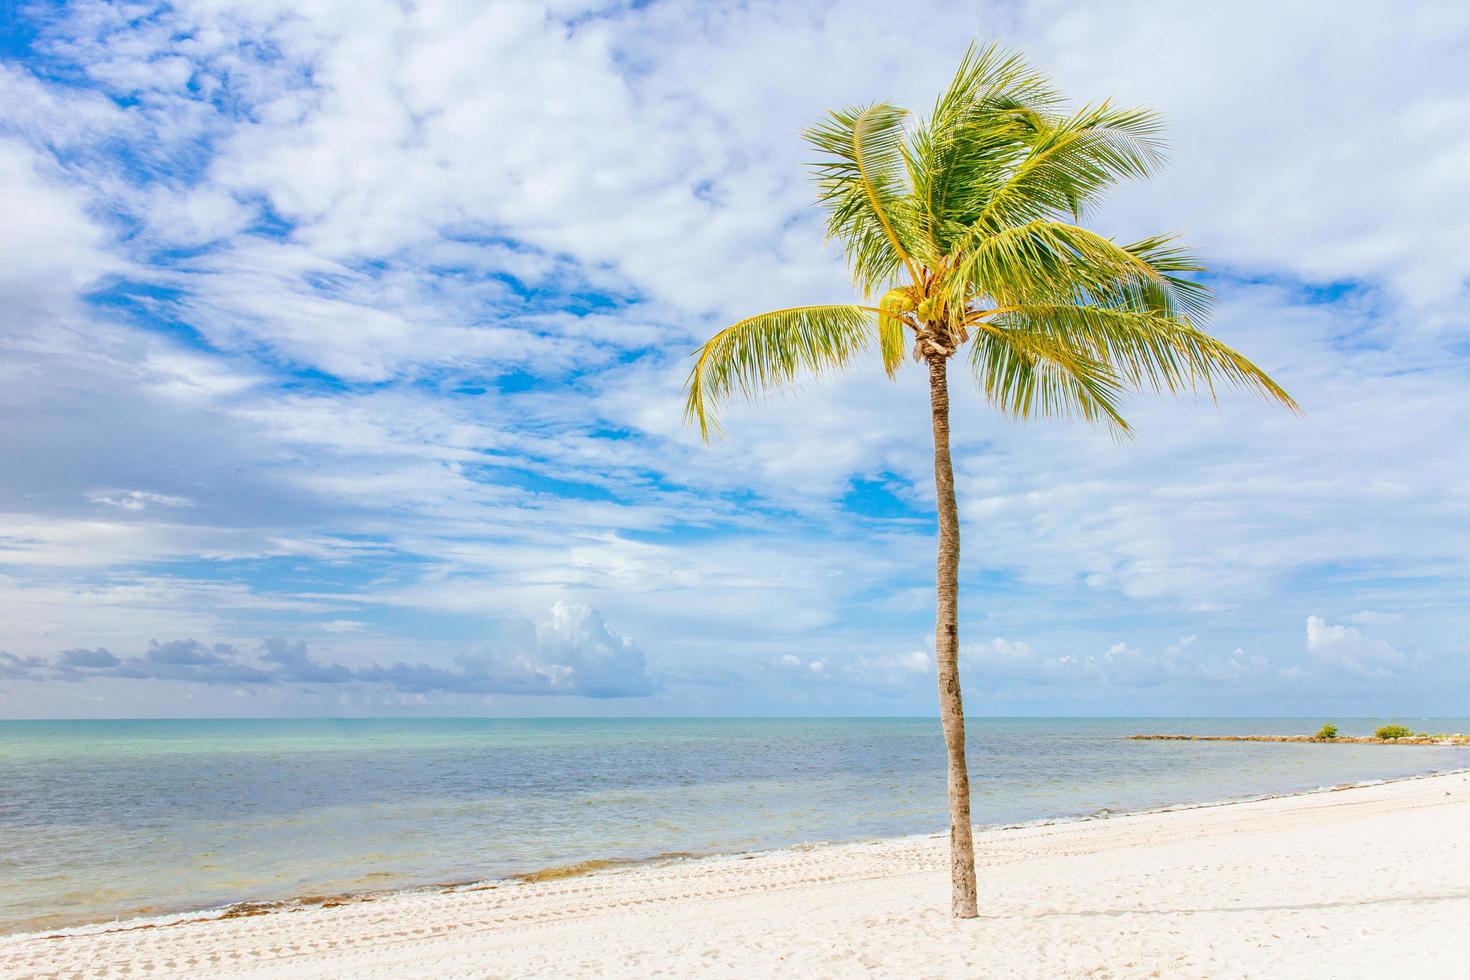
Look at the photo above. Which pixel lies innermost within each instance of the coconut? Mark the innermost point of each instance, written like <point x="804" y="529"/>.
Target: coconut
<point x="897" y="301"/>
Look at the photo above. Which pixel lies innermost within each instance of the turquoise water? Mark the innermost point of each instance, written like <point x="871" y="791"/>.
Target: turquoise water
<point x="106" y="819"/>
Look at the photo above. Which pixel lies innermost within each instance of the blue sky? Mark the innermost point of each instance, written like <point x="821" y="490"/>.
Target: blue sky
<point x="341" y="347"/>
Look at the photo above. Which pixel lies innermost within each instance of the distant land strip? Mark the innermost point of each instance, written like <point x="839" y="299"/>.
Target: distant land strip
<point x="1345" y="739"/>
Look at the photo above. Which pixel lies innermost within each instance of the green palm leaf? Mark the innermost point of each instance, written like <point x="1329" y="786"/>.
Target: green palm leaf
<point x="861" y="182"/>
<point x="1070" y="161"/>
<point x="1146" y="349"/>
<point x="1169" y="292"/>
<point x="1027" y="375"/>
<point x="770" y="351"/>
<point x="1045" y="259"/>
<point x="977" y="131"/>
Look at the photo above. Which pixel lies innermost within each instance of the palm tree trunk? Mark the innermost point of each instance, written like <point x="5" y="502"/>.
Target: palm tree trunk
<point x="946" y="650"/>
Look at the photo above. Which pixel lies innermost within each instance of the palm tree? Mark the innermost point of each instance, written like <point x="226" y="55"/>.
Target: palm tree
<point x="966" y="226"/>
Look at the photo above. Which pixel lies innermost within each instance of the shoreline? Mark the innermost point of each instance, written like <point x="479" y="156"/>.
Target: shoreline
<point x="1310" y="884"/>
<point x="617" y="865"/>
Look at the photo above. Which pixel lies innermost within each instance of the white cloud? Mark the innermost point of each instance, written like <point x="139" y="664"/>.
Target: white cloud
<point x="1347" y="648"/>
<point x="342" y="626"/>
<point x="51" y="249"/>
<point x="139" y="499"/>
<point x="1121" y="666"/>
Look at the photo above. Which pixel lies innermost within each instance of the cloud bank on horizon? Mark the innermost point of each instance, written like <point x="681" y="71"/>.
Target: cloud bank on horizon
<point x="342" y="346"/>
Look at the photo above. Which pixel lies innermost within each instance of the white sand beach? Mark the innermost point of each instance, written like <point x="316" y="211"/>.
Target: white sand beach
<point x="1354" y="882"/>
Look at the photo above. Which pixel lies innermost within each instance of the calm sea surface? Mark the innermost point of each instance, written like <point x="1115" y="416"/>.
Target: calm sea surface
<point x="101" y="819"/>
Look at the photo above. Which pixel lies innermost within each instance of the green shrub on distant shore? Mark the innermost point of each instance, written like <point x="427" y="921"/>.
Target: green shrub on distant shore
<point x="1392" y="731"/>
<point x="1327" y="732"/>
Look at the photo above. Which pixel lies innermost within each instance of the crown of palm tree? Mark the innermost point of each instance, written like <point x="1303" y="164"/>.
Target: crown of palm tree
<point x="966" y="226"/>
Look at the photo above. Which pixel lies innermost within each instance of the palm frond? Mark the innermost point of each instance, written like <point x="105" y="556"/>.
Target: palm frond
<point x="861" y="182"/>
<point x="769" y="351"/>
<point x="1044" y="260"/>
<point x="976" y="133"/>
<point x="1144" y="348"/>
<point x="990" y="73"/>
<point x="1169" y="292"/>
<point x="1029" y="375"/>
<point x="1070" y="161"/>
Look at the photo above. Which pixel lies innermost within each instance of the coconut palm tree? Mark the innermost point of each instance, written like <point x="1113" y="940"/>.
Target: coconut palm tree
<point x="966" y="226"/>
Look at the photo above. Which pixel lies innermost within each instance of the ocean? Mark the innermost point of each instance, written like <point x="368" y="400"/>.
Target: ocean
<point x="107" y="819"/>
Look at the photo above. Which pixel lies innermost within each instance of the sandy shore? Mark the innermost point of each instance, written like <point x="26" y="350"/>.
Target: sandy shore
<point x="1357" y="882"/>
